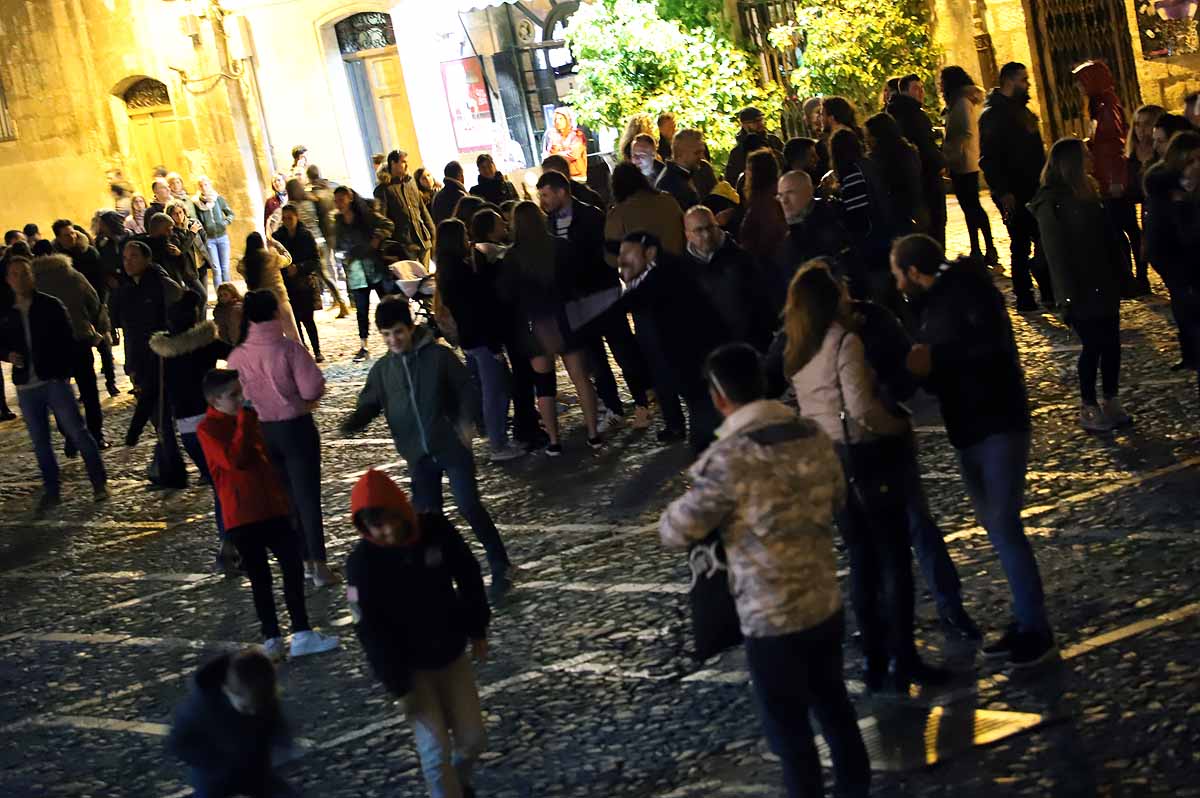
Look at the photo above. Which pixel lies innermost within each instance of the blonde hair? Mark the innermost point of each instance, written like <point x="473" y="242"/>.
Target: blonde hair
<point x="815" y="300"/>
<point x="231" y="288"/>
<point x="1066" y="168"/>
<point x="1131" y="143"/>
<point x="640" y="124"/>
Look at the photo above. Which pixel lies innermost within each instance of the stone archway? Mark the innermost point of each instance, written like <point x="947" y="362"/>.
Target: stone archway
<point x="154" y="135"/>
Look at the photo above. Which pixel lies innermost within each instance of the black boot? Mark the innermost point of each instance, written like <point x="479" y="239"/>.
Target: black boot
<point x="875" y="672"/>
<point x="902" y="676"/>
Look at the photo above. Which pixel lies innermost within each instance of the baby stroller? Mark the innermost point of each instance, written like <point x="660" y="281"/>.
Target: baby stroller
<point x="417" y="283"/>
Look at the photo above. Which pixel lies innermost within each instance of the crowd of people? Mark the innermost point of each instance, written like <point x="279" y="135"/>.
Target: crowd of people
<point x="810" y="275"/>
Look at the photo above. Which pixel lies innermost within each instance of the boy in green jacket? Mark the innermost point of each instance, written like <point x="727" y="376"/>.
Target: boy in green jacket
<point x="426" y="394"/>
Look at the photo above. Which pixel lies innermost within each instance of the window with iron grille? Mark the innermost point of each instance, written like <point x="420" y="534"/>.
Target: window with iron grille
<point x="8" y="131"/>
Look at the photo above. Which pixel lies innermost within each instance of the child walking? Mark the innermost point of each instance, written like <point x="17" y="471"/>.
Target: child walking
<point x="256" y="512"/>
<point x="425" y="392"/>
<point x="227" y="728"/>
<point x="417" y="598"/>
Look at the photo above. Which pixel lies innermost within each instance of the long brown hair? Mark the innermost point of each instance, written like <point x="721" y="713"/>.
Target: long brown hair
<point x="815" y="300"/>
<point x="1131" y="143"/>
<point x="762" y="174"/>
<point x="532" y="246"/>
<point x="1066" y="168"/>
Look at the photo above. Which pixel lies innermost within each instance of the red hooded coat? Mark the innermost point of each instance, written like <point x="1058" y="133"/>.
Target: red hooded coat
<point x="1109" y="127"/>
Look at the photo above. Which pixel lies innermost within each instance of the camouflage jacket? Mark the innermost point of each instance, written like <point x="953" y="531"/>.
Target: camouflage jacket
<point x="770" y="483"/>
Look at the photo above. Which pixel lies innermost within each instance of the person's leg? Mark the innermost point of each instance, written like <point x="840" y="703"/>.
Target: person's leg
<point x="781" y="693"/>
<point x="493" y="378"/>
<point x="1037" y="261"/>
<point x="897" y="602"/>
<point x="310" y="326"/>
<point x="83" y="371"/>
<point x="962" y="192"/>
<point x="1110" y="356"/>
<point x="362" y="310"/>
<point x="191" y="445"/>
<point x="423" y="710"/>
<point x="460" y="699"/>
<point x="460" y="470"/>
<point x="524" y="400"/>
<point x="938" y="569"/>
<point x="627" y="354"/>
<point x="935" y="201"/>
<point x="865" y="579"/>
<point x="253" y="551"/>
<point x="1089" y="359"/>
<point x="288" y="319"/>
<point x="214" y="257"/>
<point x="831" y="704"/>
<point x="703" y="420"/>
<point x="547" y="395"/>
<point x="295" y="448"/>
<point x="35" y="412"/>
<point x="577" y="368"/>
<point x="4" y="408"/>
<point x="426" y="483"/>
<point x="602" y="375"/>
<point x="282" y="541"/>
<point x="107" y="366"/>
<point x="1179" y="313"/>
<point x="994" y="473"/>
<point x="1021" y="240"/>
<point x="61" y="399"/>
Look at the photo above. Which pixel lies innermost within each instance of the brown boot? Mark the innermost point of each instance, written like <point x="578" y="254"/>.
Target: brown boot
<point x="343" y="311"/>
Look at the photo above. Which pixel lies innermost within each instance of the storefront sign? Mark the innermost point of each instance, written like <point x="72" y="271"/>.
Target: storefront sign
<point x="469" y="104"/>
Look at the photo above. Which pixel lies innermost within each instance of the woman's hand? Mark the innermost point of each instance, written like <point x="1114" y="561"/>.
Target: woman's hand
<point x="479" y="649"/>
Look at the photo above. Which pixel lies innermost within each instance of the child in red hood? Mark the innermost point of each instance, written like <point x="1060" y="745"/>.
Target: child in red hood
<point x="255" y="510"/>
<point x="416" y="593"/>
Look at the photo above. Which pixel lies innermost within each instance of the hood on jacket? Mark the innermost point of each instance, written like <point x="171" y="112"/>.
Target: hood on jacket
<point x="264" y="332"/>
<point x="190" y="340"/>
<point x="758" y="413"/>
<point x="1097" y="81"/>
<point x="376" y="489"/>
<point x="47" y="264"/>
<point x="1049" y="195"/>
<point x="211" y="675"/>
<point x="996" y="98"/>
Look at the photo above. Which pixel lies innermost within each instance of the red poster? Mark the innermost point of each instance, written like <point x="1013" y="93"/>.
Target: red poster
<point x="468" y="102"/>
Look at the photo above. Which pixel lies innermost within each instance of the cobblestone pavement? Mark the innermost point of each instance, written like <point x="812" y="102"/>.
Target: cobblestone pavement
<point x="590" y="691"/>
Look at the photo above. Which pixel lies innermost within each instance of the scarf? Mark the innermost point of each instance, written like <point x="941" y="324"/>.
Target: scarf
<point x="205" y="202"/>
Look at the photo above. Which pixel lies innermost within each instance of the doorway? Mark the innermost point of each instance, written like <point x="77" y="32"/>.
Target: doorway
<point x="154" y="138"/>
<point x="367" y="43"/>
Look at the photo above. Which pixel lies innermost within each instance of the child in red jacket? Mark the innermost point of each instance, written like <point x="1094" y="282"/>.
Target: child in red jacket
<point x="255" y="510"/>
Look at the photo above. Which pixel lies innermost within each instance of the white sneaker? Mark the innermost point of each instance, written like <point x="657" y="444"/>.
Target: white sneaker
<point x="322" y="576"/>
<point x="607" y="421"/>
<point x="510" y="452"/>
<point x="641" y="418"/>
<point x="273" y="648"/>
<point x="309" y="570"/>
<point x="305" y="643"/>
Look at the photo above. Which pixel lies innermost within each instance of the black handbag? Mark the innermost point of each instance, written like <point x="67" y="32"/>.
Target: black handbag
<point x="166" y="469"/>
<point x="715" y="623"/>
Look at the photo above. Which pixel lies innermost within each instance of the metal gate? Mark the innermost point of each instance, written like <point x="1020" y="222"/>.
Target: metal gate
<point x="1067" y="33"/>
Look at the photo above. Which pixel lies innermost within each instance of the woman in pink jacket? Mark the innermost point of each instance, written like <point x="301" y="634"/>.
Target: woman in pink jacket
<point x="281" y="380"/>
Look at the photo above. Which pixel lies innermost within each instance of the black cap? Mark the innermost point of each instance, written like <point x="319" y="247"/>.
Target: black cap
<point x="113" y="218"/>
<point x="750" y="114"/>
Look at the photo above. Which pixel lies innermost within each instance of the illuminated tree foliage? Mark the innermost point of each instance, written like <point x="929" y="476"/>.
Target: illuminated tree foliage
<point x="632" y="60"/>
<point x="851" y="47"/>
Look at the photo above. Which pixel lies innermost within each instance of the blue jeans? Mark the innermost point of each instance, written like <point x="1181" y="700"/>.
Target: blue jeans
<point x="929" y="544"/>
<point x="36" y="405"/>
<point x="792" y="674"/>
<point x="994" y="473"/>
<point x="459" y="466"/>
<point x="494" y="380"/>
<point x="191" y="445"/>
<point x="294" y="446"/>
<point x="218" y="255"/>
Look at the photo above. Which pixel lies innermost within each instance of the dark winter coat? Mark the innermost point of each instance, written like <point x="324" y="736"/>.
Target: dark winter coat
<point x="470" y="296"/>
<point x="918" y="129"/>
<point x="425" y="395"/>
<point x="737" y="156"/>
<point x="87" y="261"/>
<point x="586" y="237"/>
<point x="821" y="234"/>
<point x="49" y="334"/>
<point x="140" y="309"/>
<point x="677" y="181"/>
<point x="446" y="200"/>
<point x="1172" y="230"/>
<point x="417" y="605"/>
<point x="731" y="282"/>
<point x="1082" y="251"/>
<point x="187" y="357"/>
<point x="496" y="190"/>
<point x="112" y="265"/>
<point x="977" y="373"/>
<point x="676" y="322"/>
<point x="412" y="226"/>
<point x="231" y="749"/>
<point x="302" y="287"/>
<point x="1011" y="153"/>
<point x="582" y="192"/>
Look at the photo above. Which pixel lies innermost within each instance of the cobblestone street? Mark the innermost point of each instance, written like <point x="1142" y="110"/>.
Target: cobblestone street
<point x="590" y="690"/>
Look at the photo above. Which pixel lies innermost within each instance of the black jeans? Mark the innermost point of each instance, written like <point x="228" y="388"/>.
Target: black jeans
<point x="613" y="326"/>
<point x="1184" y="312"/>
<point x="253" y="541"/>
<point x="107" y="366"/>
<point x="792" y="674"/>
<point x="1101" y="340"/>
<point x="703" y="420"/>
<point x="874" y="526"/>
<point x="191" y="445"/>
<point x="1028" y="261"/>
<point x="309" y="326"/>
<point x="928" y="543"/>
<point x="966" y="190"/>
<point x="83" y="371"/>
<point x="1122" y="216"/>
<point x="362" y="307"/>
<point x="146" y="409"/>
<point x="935" y="202"/>
<point x="525" y="419"/>
<point x="295" y="449"/>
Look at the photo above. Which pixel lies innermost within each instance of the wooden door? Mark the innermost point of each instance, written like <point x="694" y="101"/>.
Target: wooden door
<point x="392" y="111"/>
<point x="154" y="139"/>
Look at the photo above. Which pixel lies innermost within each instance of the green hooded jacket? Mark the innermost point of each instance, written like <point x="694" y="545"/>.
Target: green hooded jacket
<point x="426" y="394"/>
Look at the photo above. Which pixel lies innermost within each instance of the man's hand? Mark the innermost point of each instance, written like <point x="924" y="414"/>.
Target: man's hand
<point x="479" y="649"/>
<point x="1008" y="204"/>
<point x="115" y="336"/>
<point x="17" y="359"/>
<point x="173" y="250"/>
<point x="920" y="360"/>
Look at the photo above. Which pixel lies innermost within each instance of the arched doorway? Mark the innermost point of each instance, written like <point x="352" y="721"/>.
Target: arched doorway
<point x="153" y="131"/>
<point x="367" y="43"/>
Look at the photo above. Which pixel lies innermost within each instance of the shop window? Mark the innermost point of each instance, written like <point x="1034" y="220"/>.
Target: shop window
<point x="366" y="31"/>
<point x="8" y="131"/>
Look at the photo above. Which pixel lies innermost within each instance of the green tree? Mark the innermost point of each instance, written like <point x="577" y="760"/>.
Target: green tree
<point x="851" y="47"/>
<point x="633" y="61"/>
<point x="692" y="14"/>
